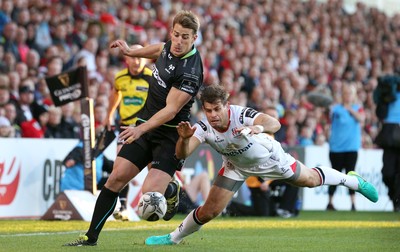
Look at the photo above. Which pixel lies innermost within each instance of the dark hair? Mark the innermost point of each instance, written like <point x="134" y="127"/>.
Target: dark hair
<point x="188" y="20"/>
<point x="213" y="94"/>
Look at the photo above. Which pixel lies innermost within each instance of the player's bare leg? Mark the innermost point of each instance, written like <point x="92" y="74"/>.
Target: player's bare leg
<point x="217" y="200"/>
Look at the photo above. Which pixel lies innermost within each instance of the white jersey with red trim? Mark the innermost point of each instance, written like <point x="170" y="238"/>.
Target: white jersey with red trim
<point x="258" y="155"/>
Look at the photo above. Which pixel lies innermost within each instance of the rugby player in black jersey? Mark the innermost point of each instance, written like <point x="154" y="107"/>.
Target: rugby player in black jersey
<point x="177" y="77"/>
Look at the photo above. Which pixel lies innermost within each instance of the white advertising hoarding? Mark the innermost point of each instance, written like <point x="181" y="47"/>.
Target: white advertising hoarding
<point x="30" y="172"/>
<point x="369" y="165"/>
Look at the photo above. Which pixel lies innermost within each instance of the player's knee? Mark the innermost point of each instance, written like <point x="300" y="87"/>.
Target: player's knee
<point x="309" y="180"/>
<point x="115" y="183"/>
<point x="313" y="180"/>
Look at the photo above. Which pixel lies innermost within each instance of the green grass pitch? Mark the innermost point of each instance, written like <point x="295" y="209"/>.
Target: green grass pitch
<point x="310" y="231"/>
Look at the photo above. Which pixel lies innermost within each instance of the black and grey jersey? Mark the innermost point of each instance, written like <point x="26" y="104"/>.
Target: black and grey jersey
<point x="185" y="74"/>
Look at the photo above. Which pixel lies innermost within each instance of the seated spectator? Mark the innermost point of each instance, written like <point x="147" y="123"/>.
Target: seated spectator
<point x="25" y="103"/>
<point x="73" y="177"/>
<point x="305" y="138"/>
<point x="291" y="138"/>
<point x="200" y="184"/>
<point x="68" y="125"/>
<point x="268" y="198"/>
<point x="4" y="90"/>
<point x="6" y="129"/>
<point x="10" y="112"/>
<point x="14" y="81"/>
<point x="260" y="197"/>
<point x="53" y="129"/>
<point x="286" y="197"/>
<point x="100" y="115"/>
<point x="36" y="126"/>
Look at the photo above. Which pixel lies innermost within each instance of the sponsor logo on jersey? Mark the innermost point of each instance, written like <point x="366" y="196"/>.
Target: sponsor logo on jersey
<point x="169" y="56"/>
<point x="202" y="125"/>
<point x="158" y="78"/>
<point x="218" y="139"/>
<point x="251" y="113"/>
<point x="235" y="152"/>
<point x="241" y="116"/>
<point x="235" y="133"/>
<point x="188" y="86"/>
<point x="164" y="53"/>
<point x="140" y="88"/>
<point x="284" y="170"/>
<point x="170" y="68"/>
<point x="128" y="100"/>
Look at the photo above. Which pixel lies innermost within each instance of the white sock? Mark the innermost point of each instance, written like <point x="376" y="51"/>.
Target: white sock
<point x="189" y="225"/>
<point x="330" y="176"/>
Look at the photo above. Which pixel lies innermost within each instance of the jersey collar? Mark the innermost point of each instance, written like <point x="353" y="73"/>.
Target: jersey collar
<point x="138" y="76"/>
<point x="187" y="55"/>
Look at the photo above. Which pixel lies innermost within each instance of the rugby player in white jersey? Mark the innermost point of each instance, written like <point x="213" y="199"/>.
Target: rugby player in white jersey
<point x="240" y="135"/>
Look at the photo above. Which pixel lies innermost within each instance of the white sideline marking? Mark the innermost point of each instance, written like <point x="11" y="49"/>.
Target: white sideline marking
<point x="76" y="231"/>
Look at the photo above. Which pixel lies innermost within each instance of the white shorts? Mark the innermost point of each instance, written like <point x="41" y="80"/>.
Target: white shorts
<point x="264" y="171"/>
<point x="232" y="179"/>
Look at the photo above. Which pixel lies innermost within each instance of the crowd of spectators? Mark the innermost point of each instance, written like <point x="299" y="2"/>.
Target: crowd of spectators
<point x="266" y="53"/>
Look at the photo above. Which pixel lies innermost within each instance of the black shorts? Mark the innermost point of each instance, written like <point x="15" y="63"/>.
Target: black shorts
<point x="156" y="147"/>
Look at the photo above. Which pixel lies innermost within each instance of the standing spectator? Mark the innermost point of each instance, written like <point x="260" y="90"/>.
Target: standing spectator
<point x="387" y="97"/>
<point x="345" y="139"/>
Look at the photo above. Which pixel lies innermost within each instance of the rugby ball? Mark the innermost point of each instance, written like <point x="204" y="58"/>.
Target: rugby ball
<point x="152" y="206"/>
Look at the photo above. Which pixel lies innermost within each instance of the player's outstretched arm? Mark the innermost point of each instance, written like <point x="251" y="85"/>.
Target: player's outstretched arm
<point x="187" y="143"/>
<point x="268" y="123"/>
<point x="262" y="124"/>
<point x="149" y="52"/>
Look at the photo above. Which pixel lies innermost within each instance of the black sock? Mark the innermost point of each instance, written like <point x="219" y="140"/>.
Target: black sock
<point x="171" y="190"/>
<point x="104" y="207"/>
